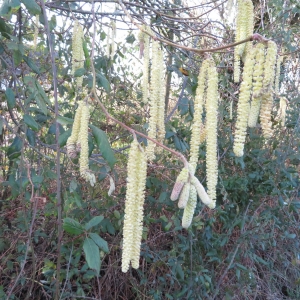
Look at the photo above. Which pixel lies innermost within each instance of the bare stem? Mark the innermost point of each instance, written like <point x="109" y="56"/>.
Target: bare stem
<point x="58" y="186"/>
<point x="255" y="36"/>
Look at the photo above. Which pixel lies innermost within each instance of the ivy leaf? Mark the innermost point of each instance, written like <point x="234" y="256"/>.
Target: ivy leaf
<point x="92" y="254"/>
<point x="103" y="82"/>
<point x="79" y="72"/>
<point x="103" y="144"/>
<point x="100" y="242"/>
<point x="32" y="7"/>
<point x="14" y="150"/>
<point x="72" y="226"/>
<point x="93" y="222"/>
<point x="10" y="96"/>
<point x="30" y="137"/>
<point x="42" y="93"/>
<point x="30" y="122"/>
<point x="4" y="28"/>
<point x="31" y="64"/>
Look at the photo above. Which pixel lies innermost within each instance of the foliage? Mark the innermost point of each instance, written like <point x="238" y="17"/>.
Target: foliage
<point x="247" y="248"/>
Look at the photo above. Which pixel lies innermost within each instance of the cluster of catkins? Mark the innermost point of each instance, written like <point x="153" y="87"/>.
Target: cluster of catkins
<point x="256" y="93"/>
<point x="77" y="52"/>
<point x="137" y="161"/>
<point x="258" y="83"/>
<point x="78" y="141"/>
<point x="187" y="186"/>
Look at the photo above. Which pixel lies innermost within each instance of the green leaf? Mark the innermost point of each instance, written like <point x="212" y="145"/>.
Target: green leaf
<point x="72" y="226"/>
<point x="14" y="150"/>
<point x="183" y="106"/>
<point x="103" y="82"/>
<point x="62" y="139"/>
<point x="92" y="254"/>
<point x="29" y="120"/>
<point x="79" y="72"/>
<point x="93" y="222"/>
<point x="41" y="104"/>
<point x="5" y="8"/>
<point x="1" y="125"/>
<point x="10" y="96"/>
<point x="86" y="53"/>
<point x="64" y="120"/>
<point x="31" y="64"/>
<point x="130" y="38"/>
<point x="15" y="5"/>
<point x="4" y="29"/>
<point x="100" y="242"/>
<point x="30" y="137"/>
<point x="32" y="7"/>
<point x="103" y="144"/>
<point x="42" y="93"/>
<point x="17" y="55"/>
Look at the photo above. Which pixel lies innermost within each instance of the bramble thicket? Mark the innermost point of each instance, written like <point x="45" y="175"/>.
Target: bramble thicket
<point x="149" y="149"/>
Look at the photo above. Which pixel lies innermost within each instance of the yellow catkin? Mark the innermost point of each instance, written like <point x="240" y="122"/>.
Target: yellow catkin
<point x="36" y="30"/>
<point x="154" y="97"/>
<point x="189" y="209"/>
<point x="277" y="76"/>
<point x="211" y="130"/>
<point x="145" y="84"/>
<point x="84" y="147"/>
<point x="243" y="106"/>
<point x="244" y="28"/>
<point x="135" y="194"/>
<point x="77" y="52"/>
<point x="108" y="37"/>
<point x="181" y="179"/>
<point x="267" y="98"/>
<point x="250" y="23"/>
<point x="113" y="35"/>
<point x="265" y="114"/>
<point x="257" y="85"/>
<point x="282" y="110"/>
<point x="197" y="131"/>
<point x="161" y="131"/>
<point x="202" y="193"/>
<point x="184" y="196"/>
<point x="71" y="149"/>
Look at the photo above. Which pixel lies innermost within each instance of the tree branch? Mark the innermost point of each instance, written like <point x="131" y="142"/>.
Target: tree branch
<point x="255" y="36"/>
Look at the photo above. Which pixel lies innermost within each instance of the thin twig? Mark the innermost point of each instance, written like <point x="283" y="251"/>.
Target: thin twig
<point x="253" y="37"/>
<point x="67" y="274"/>
<point x="58" y="183"/>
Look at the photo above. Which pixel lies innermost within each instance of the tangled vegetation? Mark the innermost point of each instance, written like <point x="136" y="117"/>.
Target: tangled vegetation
<point x="113" y="110"/>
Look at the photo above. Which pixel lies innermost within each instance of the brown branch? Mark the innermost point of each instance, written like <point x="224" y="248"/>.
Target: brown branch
<point x="108" y="116"/>
<point x="253" y="37"/>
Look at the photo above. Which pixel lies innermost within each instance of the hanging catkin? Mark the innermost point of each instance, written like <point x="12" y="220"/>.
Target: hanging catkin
<point x="77" y="52"/>
<point x="257" y="84"/>
<point x="211" y="130"/>
<point x="267" y="98"/>
<point x="135" y="194"/>
<point x="154" y="98"/>
<point x="243" y="106"/>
